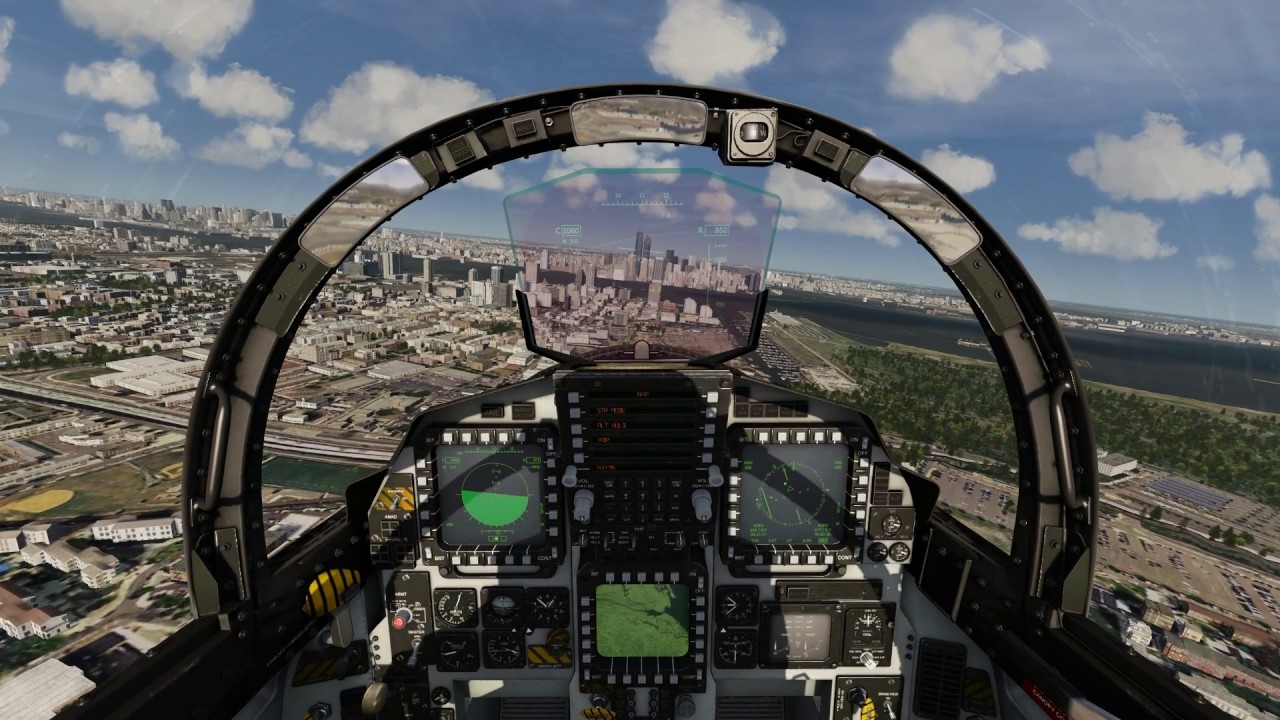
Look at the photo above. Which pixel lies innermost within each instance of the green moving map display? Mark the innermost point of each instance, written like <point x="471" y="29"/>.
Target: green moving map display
<point x="491" y="494"/>
<point x="643" y="620"/>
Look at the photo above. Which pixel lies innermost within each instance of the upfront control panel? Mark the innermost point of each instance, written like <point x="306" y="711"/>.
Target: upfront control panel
<point x="636" y="544"/>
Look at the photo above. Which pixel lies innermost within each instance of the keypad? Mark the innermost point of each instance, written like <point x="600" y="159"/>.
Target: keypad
<point x="645" y="500"/>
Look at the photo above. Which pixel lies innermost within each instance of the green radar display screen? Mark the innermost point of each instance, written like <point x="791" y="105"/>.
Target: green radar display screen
<point x="642" y="620"/>
<point x="490" y="494"/>
<point x="793" y="494"/>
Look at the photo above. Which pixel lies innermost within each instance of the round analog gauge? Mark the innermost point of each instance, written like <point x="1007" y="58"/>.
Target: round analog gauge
<point x="877" y="552"/>
<point x="547" y="607"/>
<point x="867" y="626"/>
<point x="501" y="607"/>
<point x="456" y="608"/>
<point x="792" y="494"/>
<point x="503" y="649"/>
<point x="891" y="524"/>
<point x="899" y="552"/>
<point x="457" y="652"/>
<point x="736" y="605"/>
<point x="736" y="649"/>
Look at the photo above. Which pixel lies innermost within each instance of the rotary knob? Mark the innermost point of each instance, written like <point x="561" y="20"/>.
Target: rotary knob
<point x="400" y="620"/>
<point x="702" y="505"/>
<point x="582" y="503"/>
<point x="857" y="697"/>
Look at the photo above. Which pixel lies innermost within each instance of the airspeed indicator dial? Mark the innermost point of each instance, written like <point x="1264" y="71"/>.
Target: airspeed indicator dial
<point x="456" y="607"/>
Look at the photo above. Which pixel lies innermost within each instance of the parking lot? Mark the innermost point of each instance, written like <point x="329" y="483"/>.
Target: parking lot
<point x="1126" y="548"/>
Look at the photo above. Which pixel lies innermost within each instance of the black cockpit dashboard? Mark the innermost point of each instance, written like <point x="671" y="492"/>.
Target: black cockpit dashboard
<point x="643" y="543"/>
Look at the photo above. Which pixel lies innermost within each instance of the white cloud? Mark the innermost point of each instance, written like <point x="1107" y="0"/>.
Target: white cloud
<point x="708" y="42"/>
<point x="965" y="173"/>
<point x="1267" y="211"/>
<point x="587" y="187"/>
<point x="810" y="204"/>
<point x="187" y="29"/>
<point x="121" y="81"/>
<point x="296" y="159"/>
<point x="238" y="92"/>
<point x="954" y="58"/>
<point x="381" y="103"/>
<point x="721" y="207"/>
<point x="1111" y="233"/>
<point x="251" y="145"/>
<point x="1216" y="263"/>
<point x="1159" y="164"/>
<point x="330" y="171"/>
<point x="613" y="155"/>
<point x="140" y="137"/>
<point x="6" y="34"/>
<point x="79" y="142"/>
<point x="485" y="180"/>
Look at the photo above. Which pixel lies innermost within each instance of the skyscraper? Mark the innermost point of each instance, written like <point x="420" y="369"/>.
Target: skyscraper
<point x="643" y="245"/>
<point x="426" y="270"/>
<point x="392" y="263"/>
<point x="495" y="274"/>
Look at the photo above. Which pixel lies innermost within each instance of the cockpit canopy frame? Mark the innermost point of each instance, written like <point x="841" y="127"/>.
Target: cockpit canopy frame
<point x="1052" y="554"/>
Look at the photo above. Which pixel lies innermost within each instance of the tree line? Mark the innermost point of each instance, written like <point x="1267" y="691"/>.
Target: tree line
<point x="963" y="408"/>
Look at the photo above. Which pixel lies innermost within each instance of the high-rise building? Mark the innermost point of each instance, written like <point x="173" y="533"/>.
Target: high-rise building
<point x="655" y="293"/>
<point x="473" y="275"/>
<point x="495" y="274"/>
<point x="501" y="294"/>
<point x="426" y="270"/>
<point x="643" y="245"/>
<point x="531" y="272"/>
<point x="392" y="263"/>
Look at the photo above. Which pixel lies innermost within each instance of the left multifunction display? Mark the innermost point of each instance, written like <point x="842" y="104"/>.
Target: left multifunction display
<point x="481" y="500"/>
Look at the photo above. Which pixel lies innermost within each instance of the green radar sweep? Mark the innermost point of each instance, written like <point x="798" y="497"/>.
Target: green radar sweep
<point x="496" y="509"/>
<point x="491" y="495"/>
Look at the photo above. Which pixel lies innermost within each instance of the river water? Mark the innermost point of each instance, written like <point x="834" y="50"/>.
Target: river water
<point x="1246" y="376"/>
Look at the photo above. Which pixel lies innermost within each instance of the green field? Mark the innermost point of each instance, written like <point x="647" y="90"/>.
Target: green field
<point x="82" y="374"/>
<point x="647" y="620"/>
<point x="155" y="462"/>
<point x="107" y="490"/>
<point x="299" y="474"/>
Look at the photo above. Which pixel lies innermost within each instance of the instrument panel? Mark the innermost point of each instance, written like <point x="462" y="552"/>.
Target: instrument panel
<point x="639" y="543"/>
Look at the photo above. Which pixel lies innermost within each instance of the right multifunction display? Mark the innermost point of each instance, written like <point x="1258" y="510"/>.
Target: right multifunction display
<point x="797" y="496"/>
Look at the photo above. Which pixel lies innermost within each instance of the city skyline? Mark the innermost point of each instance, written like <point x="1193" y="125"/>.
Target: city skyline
<point x="939" y="284"/>
<point x="1122" y="170"/>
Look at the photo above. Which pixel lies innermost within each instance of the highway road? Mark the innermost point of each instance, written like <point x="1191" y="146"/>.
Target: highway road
<point x="332" y="449"/>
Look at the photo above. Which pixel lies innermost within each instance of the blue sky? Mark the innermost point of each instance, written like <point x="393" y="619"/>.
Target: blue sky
<point x="1124" y="150"/>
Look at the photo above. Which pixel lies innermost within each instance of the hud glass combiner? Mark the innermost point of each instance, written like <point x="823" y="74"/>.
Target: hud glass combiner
<point x="641" y="264"/>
